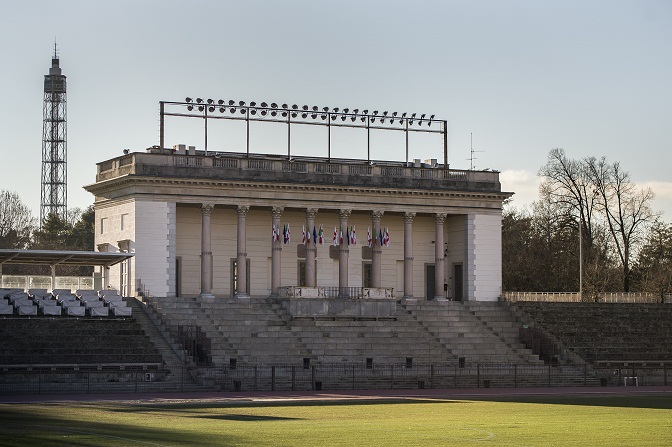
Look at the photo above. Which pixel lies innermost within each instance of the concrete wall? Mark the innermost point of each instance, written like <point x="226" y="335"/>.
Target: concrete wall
<point x="484" y="258"/>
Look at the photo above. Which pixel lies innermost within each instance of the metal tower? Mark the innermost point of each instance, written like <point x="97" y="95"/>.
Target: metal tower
<point x="54" y="196"/>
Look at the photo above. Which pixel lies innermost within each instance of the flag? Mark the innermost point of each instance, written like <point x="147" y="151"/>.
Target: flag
<point x="289" y="239"/>
<point x="314" y="235"/>
<point x="387" y="237"/>
<point x="303" y="234"/>
<point x="284" y="234"/>
<point x="353" y="236"/>
<point x="335" y="236"/>
<point x="368" y="235"/>
<point x="347" y="235"/>
<point x="273" y="234"/>
<point x="380" y="237"/>
<point x="340" y="240"/>
<point x="320" y="236"/>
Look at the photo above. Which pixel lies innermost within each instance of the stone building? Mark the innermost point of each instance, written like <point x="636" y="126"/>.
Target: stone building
<point x="199" y="222"/>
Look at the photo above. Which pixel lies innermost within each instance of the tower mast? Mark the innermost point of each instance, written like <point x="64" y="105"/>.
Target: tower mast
<point x="54" y="194"/>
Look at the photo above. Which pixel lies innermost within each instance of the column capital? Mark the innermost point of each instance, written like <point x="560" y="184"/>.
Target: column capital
<point x="377" y="214"/>
<point x="344" y="213"/>
<point x="206" y="208"/>
<point x="243" y="209"/>
<point x="408" y="217"/>
<point x="311" y="213"/>
<point x="441" y="217"/>
<point x="276" y="211"/>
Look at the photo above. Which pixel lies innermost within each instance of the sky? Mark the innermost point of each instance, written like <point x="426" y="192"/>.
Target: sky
<point x="513" y="79"/>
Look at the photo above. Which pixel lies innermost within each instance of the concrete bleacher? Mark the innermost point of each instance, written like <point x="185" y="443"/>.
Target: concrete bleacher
<point x="601" y="332"/>
<point x="260" y="331"/>
<point x="57" y="302"/>
<point x="62" y="342"/>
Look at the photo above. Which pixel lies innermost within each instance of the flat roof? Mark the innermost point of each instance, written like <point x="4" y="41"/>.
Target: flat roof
<point x="62" y="257"/>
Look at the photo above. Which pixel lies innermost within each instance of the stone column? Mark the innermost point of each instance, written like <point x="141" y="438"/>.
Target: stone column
<point x="206" y="251"/>
<point x="408" y="257"/>
<point x="311" y="249"/>
<point x="276" y="252"/>
<point x="343" y="253"/>
<point x="439" y="265"/>
<point x="241" y="284"/>
<point x="376" y="249"/>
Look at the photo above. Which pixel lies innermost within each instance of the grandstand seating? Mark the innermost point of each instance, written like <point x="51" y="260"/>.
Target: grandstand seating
<point x="62" y="302"/>
<point x="616" y="332"/>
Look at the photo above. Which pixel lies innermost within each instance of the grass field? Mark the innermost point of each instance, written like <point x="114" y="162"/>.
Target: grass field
<point x="508" y="421"/>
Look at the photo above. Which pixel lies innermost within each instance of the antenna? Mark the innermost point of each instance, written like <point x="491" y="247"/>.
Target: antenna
<point x="472" y="151"/>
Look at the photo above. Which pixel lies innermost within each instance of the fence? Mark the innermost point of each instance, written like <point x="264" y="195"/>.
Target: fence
<point x="306" y="377"/>
<point x="44" y="282"/>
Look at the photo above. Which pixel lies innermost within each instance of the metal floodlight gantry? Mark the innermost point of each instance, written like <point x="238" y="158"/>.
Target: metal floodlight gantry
<point x="305" y="114"/>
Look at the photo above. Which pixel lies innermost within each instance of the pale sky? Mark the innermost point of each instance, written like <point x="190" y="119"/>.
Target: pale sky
<point x="592" y="77"/>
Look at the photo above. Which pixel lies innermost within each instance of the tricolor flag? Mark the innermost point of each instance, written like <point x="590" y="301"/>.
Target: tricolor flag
<point x="380" y="237"/>
<point x="320" y="236"/>
<point x="335" y="236"/>
<point x="340" y="239"/>
<point x="284" y="234"/>
<point x="273" y="234"/>
<point x="368" y="235"/>
<point x="347" y="235"/>
<point x="289" y="238"/>
<point x="387" y="237"/>
<point x="314" y="235"/>
<point x="353" y="236"/>
<point x="303" y="234"/>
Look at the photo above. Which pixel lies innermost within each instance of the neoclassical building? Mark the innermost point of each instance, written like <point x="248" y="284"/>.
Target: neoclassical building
<point x="234" y="225"/>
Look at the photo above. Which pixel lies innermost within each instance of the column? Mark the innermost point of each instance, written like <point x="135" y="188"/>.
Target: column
<point x="376" y="249"/>
<point x="276" y="252"/>
<point x="311" y="249"/>
<point x="343" y="253"/>
<point x="241" y="262"/>
<point x="206" y="251"/>
<point x="408" y="256"/>
<point x="439" y="265"/>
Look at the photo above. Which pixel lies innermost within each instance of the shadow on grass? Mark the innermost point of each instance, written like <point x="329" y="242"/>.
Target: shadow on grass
<point x="246" y="418"/>
<point x="663" y="402"/>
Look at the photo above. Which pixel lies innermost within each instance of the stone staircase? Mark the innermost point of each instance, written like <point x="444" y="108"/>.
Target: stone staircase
<point x="475" y="332"/>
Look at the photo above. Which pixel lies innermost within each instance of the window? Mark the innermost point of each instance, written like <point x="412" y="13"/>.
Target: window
<point x="234" y="276"/>
<point x="103" y="225"/>
<point x="124" y="221"/>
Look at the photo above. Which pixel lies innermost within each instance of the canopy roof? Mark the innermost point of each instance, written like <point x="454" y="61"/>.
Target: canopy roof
<point x="62" y="257"/>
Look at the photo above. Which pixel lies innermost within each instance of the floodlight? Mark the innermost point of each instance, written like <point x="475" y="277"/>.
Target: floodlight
<point x="231" y="102"/>
<point x="187" y="99"/>
<point x="375" y="112"/>
<point x="355" y="111"/>
<point x="324" y="117"/>
<point x="263" y="113"/>
<point x="403" y="115"/>
<point x="304" y="115"/>
<point x="394" y="113"/>
<point x="253" y="111"/>
<point x="263" y="104"/>
<point x="241" y="103"/>
<point x="345" y="110"/>
<point x="413" y="115"/>
<point x="253" y="104"/>
<point x="294" y="114"/>
<point x="211" y="109"/>
<point x="284" y="106"/>
<point x="199" y="100"/>
<point x="232" y="110"/>
<point x="210" y="101"/>
<point x="220" y="102"/>
<point x="343" y="117"/>
<point x="222" y="110"/>
<point x="274" y="105"/>
<point x="333" y="117"/>
<point x="284" y="113"/>
<point x="274" y="113"/>
<point x="385" y="113"/>
<point x="314" y="116"/>
<point x="325" y="109"/>
<point x="242" y="111"/>
<point x="365" y="112"/>
<point x="305" y="107"/>
<point x="190" y="107"/>
<point x="295" y="107"/>
<point x="315" y="108"/>
<point x="335" y="110"/>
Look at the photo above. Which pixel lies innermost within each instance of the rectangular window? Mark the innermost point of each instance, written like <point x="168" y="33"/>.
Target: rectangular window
<point x="103" y="225"/>
<point x="124" y="221"/>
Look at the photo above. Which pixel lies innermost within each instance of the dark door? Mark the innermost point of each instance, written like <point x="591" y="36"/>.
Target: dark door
<point x="430" y="281"/>
<point x="458" y="290"/>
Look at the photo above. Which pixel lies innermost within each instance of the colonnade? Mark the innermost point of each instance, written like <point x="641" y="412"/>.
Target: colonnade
<point x="241" y="291"/>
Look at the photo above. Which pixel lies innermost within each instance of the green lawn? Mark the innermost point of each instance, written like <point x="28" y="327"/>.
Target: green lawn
<point x="589" y="421"/>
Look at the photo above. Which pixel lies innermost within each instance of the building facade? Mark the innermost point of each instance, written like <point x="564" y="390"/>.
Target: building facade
<point x="230" y="225"/>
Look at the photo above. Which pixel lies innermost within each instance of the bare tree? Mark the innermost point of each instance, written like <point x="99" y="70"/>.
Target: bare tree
<point x="567" y="185"/>
<point x="16" y="221"/>
<point x="627" y="209"/>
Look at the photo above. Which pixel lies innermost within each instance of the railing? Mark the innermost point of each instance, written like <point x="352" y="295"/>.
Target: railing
<point x="44" y="282"/>
<point x="361" y="168"/>
<point x="575" y="297"/>
<point x="336" y="292"/>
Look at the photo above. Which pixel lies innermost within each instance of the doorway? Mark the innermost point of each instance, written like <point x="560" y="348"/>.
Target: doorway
<point x="430" y="281"/>
<point x="458" y="284"/>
